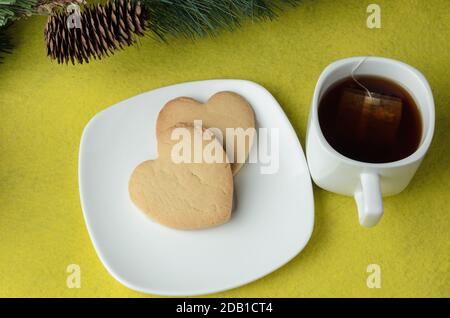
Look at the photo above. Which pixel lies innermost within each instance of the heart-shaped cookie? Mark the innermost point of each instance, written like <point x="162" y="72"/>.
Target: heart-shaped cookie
<point x="224" y="110"/>
<point x="184" y="195"/>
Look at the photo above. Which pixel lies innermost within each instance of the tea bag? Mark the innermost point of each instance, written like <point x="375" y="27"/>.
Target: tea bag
<point x="368" y="117"/>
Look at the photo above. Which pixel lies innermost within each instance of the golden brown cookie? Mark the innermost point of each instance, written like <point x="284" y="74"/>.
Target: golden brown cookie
<point x="184" y="195"/>
<point x="223" y="110"/>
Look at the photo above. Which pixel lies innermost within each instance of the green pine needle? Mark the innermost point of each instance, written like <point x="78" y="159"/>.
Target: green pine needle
<point x="195" y="18"/>
<point x="11" y="10"/>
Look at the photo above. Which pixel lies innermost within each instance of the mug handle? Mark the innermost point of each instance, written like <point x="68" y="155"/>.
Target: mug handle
<point x="369" y="200"/>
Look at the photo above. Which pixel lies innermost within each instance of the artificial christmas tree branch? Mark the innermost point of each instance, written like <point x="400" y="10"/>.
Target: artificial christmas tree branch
<point x="106" y="27"/>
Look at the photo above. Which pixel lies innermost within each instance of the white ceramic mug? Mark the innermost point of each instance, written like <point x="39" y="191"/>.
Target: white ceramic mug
<point x="367" y="182"/>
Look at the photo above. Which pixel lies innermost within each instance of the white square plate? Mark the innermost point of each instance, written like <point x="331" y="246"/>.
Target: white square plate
<point x="271" y="222"/>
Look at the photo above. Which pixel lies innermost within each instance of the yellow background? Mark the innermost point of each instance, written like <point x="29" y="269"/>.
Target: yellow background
<point x="44" y="107"/>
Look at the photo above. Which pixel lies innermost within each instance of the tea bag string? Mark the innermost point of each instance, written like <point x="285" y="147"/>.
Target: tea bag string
<point x="354" y="77"/>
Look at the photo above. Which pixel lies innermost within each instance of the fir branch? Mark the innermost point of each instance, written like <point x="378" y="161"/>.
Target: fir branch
<point x="196" y="18"/>
<point x="12" y="10"/>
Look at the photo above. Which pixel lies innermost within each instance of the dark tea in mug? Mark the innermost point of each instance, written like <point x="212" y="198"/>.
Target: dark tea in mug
<point x="370" y="119"/>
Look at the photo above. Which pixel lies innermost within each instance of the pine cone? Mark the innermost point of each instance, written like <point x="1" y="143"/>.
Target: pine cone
<point x="102" y="29"/>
